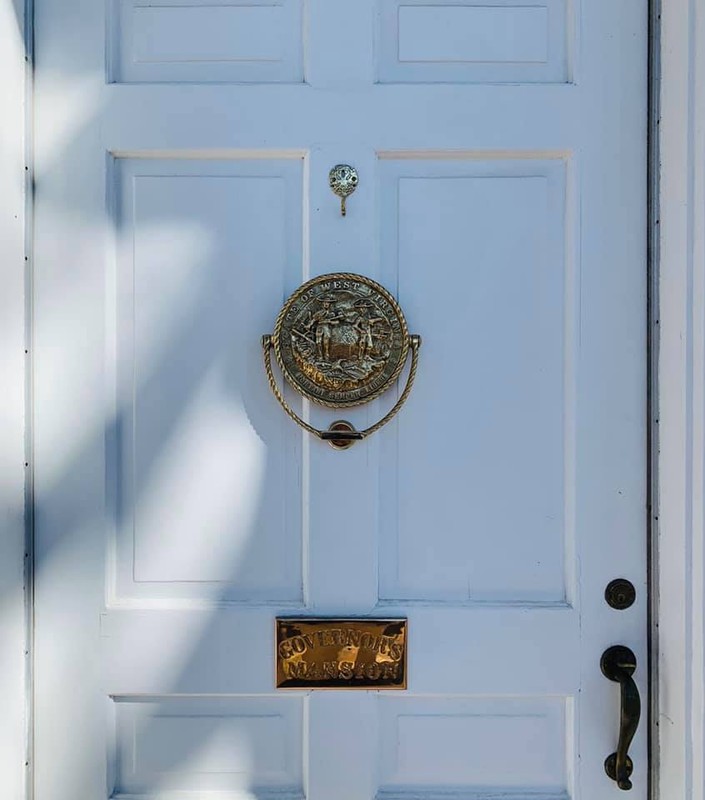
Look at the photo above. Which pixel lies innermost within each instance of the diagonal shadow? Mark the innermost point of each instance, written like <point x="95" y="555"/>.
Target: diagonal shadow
<point x="165" y="394"/>
<point x="206" y="341"/>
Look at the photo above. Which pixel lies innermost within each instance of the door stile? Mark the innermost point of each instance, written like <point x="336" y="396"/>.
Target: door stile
<point x="343" y="527"/>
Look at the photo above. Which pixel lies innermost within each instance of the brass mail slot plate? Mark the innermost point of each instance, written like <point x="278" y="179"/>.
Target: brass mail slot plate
<point x="341" y="653"/>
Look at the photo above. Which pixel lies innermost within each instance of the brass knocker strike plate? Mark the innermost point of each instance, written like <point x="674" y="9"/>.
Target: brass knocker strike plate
<point x="341" y="340"/>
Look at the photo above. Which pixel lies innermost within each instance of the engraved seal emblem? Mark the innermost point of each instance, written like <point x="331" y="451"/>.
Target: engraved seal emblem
<point x="341" y="340"/>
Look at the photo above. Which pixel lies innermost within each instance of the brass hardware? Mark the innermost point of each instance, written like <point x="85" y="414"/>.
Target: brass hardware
<point x="341" y="340"/>
<point x="341" y="653"/>
<point x="343" y="181"/>
<point x="341" y="435"/>
<point x="618" y="663"/>
<point x="620" y="594"/>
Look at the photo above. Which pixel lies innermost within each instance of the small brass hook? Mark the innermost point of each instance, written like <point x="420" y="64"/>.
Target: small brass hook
<point x="343" y="181"/>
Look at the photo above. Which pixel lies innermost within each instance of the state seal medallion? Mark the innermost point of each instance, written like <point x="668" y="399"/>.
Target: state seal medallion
<point x="341" y="341"/>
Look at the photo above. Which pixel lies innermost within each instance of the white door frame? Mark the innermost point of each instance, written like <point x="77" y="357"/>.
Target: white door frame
<point x="14" y="660"/>
<point x="679" y="571"/>
<point x="678" y="388"/>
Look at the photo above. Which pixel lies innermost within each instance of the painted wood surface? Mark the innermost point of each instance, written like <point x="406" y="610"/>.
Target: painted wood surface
<point x="181" y="196"/>
<point x="14" y="645"/>
<point x="679" y="638"/>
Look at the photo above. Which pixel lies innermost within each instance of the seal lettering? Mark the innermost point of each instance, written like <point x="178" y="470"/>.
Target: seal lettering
<point x="341" y="341"/>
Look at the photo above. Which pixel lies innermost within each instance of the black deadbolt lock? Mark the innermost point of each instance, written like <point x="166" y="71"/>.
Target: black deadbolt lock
<point x="620" y="594"/>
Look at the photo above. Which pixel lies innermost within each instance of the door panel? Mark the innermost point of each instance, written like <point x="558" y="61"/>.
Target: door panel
<point x="528" y="732"/>
<point x="225" y="745"/>
<point x="203" y="247"/>
<point x="481" y="247"/>
<point x="422" y="41"/>
<point x="183" y="151"/>
<point x="174" y="41"/>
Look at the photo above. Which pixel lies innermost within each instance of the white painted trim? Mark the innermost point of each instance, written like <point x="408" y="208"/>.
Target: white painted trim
<point x="12" y="401"/>
<point x="681" y="380"/>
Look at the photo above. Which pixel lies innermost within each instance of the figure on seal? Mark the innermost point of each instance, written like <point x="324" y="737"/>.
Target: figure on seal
<point x="321" y="323"/>
<point x="363" y="325"/>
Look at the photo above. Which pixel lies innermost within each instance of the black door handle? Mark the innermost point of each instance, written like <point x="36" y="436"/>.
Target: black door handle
<point x="618" y="663"/>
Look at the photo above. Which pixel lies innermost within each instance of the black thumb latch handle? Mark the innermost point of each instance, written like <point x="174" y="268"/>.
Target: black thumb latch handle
<point x="618" y="663"/>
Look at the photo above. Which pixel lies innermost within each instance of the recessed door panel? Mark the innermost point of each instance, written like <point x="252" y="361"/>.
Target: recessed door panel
<point x="204" y="249"/>
<point x="205" y="41"/>
<point x="492" y="41"/>
<point x="480" y="254"/>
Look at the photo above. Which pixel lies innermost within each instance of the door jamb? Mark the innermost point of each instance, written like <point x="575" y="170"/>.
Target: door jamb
<point x="15" y="658"/>
<point x="652" y="410"/>
<point x="678" y="575"/>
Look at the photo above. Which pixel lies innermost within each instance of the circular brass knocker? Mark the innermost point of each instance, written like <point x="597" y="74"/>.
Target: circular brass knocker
<point x="341" y="340"/>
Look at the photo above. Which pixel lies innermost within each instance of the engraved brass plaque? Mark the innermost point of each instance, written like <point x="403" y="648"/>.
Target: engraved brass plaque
<point x="341" y="653"/>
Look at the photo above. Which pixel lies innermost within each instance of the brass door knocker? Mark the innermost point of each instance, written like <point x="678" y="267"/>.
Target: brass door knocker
<point x="341" y="340"/>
